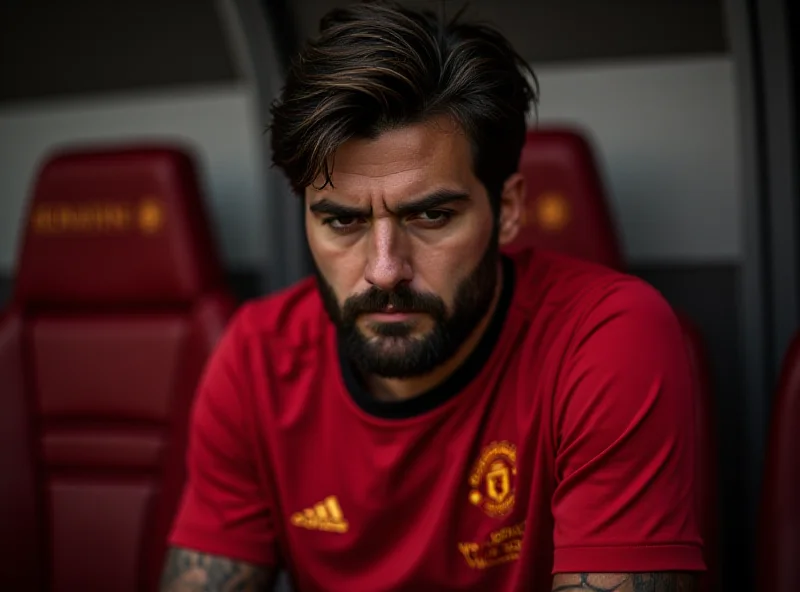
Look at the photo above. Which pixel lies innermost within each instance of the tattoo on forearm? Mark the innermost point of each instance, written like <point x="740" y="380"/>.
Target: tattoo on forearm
<point x="633" y="582"/>
<point x="190" y="571"/>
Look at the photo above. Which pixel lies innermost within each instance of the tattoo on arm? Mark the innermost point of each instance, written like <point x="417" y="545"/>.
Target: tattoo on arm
<point x="632" y="582"/>
<point x="190" y="571"/>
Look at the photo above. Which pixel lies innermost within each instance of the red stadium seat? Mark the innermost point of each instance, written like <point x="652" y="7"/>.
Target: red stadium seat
<point x="779" y="548"/>
<point x="117" y="304"/>
<point x="568" y="212"/>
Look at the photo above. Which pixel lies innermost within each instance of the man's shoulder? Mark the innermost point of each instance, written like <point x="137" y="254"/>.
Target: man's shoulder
<point x="294" y="316"/>
<point x="562" y="285"/>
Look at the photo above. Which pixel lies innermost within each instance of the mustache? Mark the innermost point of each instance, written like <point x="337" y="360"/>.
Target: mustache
<point x="401" y="300"/>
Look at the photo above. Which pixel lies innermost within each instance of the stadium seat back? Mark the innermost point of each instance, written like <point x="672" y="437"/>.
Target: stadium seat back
<point x="566" y="209"/>
<point x="779" y="548"/>
<point x="118" y="302"/>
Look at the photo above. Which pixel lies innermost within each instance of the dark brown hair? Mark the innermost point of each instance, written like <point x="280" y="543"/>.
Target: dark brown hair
<point x="378" y="65"/>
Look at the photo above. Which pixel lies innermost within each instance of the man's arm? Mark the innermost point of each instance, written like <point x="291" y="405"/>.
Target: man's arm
<point x="619" y="582"/>
<point x="190" y="571"/>
<point x="226" y="510"/>
<point x="625" y="499"/>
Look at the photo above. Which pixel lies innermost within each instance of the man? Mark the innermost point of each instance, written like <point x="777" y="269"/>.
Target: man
<point x="429" y="414"/>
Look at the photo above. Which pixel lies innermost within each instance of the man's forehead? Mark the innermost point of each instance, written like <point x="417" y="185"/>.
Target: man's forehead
<point x="409" y="160"/>
<point x="428" y="140"/>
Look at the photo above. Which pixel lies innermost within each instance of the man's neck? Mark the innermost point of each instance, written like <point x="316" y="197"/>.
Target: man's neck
<point x="395" y="389"/>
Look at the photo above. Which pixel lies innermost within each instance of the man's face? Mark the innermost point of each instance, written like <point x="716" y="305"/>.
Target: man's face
<point x="405" y="246"/>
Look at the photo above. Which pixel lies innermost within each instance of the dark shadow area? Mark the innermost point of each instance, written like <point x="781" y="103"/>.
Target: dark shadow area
<point x="576" y="30"/>
<point x="5" y="291"/>
<point x="707" y="294"/>
<point x="88" y="47"/>
<point x="245" y="284"/>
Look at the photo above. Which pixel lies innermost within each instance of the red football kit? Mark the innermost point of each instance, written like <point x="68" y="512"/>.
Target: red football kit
<point x="565" y="443"/>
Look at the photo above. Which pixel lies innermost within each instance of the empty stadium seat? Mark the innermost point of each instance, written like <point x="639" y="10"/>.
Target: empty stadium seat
<point x="779" y="548"/>
<point x="568" y="211"/>
<point x="118" y="302"/>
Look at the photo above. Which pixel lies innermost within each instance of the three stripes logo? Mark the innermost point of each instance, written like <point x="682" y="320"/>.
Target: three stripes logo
<point x="326" y="515"/>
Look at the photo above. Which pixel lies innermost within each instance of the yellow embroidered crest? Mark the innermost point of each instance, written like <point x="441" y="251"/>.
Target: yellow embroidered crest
<point x="493" y="479"/>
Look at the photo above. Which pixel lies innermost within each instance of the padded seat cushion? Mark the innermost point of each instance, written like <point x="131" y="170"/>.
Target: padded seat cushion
<point x="117" y="305"/>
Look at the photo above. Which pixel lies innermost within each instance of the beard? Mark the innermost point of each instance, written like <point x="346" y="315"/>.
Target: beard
<point x="393" y="350"/>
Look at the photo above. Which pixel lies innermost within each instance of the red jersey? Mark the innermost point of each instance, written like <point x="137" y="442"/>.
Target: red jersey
<point x="565" y="443"/>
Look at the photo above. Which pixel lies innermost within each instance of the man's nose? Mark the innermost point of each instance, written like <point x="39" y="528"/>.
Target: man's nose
<point x="388" y="258"/>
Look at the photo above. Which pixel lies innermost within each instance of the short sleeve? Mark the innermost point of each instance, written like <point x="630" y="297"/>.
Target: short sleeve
<point x="224" y="510"/>
<point x="625" y="440"/>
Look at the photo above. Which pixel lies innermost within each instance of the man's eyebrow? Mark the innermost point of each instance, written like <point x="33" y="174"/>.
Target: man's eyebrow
<point x="417" y="206"/>
<point x="331" y="208"/>
<point x="430" y="201"/>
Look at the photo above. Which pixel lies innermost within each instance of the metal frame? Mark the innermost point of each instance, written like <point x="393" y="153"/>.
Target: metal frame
<point x="752" y="296"/>
<point x="262" y="68"/>
<point x="768" y="292"/>
<point x="781" y="173"/>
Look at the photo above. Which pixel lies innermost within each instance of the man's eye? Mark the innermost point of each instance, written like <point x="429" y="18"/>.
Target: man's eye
<point x="434" y="218"/>
<point x="342" y="223"/>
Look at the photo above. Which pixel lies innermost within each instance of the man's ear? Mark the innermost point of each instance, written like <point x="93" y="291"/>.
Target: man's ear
<point x="512" y="208"/>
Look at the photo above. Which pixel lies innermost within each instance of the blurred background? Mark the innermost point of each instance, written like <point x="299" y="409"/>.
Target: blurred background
<point x="691" y="109"/>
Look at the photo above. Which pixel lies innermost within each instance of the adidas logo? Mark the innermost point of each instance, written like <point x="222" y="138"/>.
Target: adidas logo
<point x="326" y="515"/>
